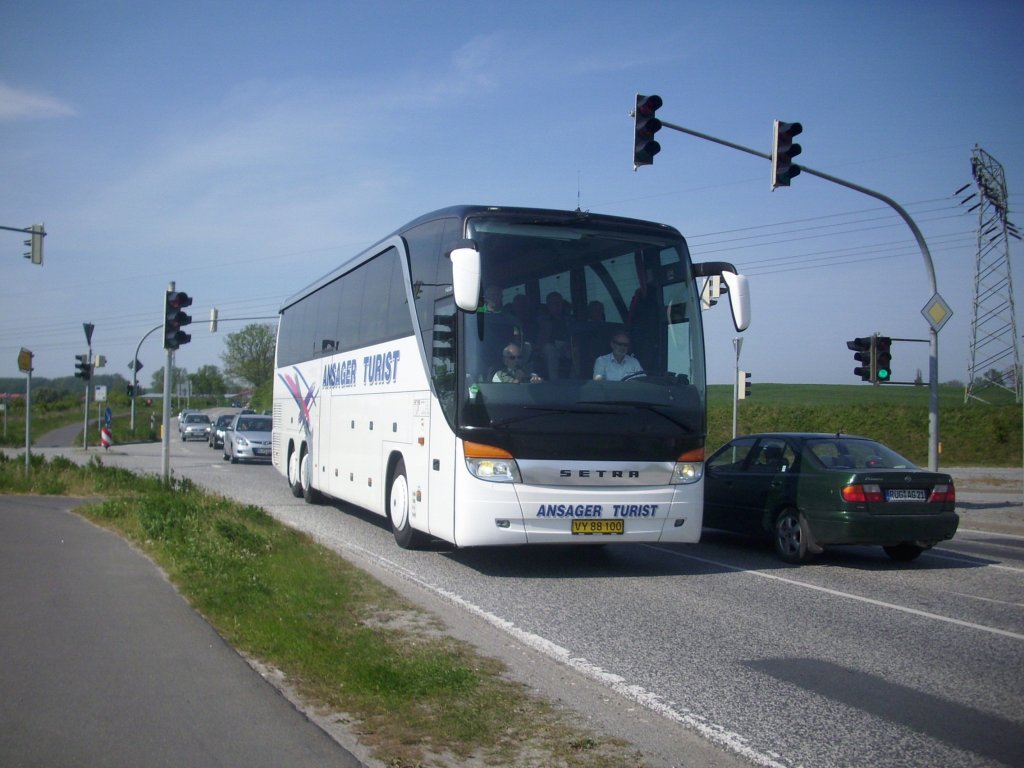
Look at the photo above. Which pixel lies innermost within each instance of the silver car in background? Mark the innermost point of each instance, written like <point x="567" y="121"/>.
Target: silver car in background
<point x="248" y="438"/>
<point x="194" y="426"/>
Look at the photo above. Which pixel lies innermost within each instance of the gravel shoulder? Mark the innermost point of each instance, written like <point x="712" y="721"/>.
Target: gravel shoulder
<point x="990" y="498"/>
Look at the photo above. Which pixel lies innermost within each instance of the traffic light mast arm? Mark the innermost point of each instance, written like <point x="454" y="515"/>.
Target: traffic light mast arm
<point x="835" y="180"/>
<point x="933" y="356"/>
<point x="36" y="234"/>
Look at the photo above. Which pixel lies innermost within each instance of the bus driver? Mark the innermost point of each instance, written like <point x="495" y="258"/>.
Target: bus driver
<point x="618" y="364"/>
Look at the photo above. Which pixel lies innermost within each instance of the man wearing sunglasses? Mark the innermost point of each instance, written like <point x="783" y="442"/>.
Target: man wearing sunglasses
<point x="512" y="371"/>
<point x="618" y="364"/>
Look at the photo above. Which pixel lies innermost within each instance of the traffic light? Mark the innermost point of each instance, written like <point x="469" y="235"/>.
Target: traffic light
<point x="743" y="385"/>
<point x="883" y="359"/>
<point x="864" y="353"/>
<point x="783" y="152"/>
<point x="175" y="318"/>
<point x="35" y="244"/>
<point x="645" y="125"/>
<point x="83" y="367"/>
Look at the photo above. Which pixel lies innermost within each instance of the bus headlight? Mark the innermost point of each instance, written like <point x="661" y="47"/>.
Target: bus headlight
<point x="487" y="462"/>
<point x="686" y="472"/>
<point x="689" y="468"/>
<point x="495" y="470"/>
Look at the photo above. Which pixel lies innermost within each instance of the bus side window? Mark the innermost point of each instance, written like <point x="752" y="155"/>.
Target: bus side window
<point x="442" y="361"/>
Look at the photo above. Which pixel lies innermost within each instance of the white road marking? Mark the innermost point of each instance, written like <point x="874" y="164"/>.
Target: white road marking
<point x="719" y="735"/>
<point x="847" y="595"/>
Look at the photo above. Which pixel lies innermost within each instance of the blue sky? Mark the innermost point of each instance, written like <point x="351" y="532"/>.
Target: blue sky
<point x="242" y="149"/>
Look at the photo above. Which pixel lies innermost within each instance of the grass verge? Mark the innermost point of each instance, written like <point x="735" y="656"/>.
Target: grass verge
<point x="344" y="641"/>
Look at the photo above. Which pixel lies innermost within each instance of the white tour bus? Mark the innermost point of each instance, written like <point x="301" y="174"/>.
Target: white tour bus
<point x="390" y="390"/>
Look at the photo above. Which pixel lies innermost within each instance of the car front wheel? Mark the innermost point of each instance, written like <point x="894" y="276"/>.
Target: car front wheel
<point x="789" y="535"/>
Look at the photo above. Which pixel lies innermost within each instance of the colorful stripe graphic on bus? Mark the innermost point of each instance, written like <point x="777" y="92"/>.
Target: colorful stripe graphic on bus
<point x="292" y="384"/>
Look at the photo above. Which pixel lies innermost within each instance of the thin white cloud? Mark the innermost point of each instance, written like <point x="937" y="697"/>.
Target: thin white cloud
<point x="24" y="105"/>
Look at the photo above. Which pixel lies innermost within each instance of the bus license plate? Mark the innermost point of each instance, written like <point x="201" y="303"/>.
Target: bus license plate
<point x="605" y="527"/>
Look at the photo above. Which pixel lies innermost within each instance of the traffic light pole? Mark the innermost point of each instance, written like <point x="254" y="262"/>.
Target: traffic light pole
<point x="737" y="344"/>
<point x="933" y="356"/>
<point x="165" y="442"/>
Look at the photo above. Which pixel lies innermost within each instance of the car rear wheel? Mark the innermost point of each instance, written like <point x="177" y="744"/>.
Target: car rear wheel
<point x="789" y="535"/>
<point x="904" y="552"/>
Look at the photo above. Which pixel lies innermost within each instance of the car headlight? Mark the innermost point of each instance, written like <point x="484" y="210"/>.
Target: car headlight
<point x="241" y="440"/>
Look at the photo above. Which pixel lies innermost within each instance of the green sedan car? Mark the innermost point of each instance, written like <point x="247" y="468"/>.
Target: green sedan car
<point x="809" y="491"/>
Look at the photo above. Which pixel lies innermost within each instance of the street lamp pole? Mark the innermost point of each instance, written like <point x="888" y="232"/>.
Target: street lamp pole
<point x="135" y="371"/>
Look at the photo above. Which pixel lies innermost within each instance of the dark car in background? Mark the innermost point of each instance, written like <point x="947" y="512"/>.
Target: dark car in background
<point x="248" y="438"/>
<point x="807" y="491"/>
<point x="217" y="430"/>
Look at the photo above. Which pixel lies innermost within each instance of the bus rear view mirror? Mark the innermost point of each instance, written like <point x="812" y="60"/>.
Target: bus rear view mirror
<point x="466" y="278"/>
<point x="739" y="298"/>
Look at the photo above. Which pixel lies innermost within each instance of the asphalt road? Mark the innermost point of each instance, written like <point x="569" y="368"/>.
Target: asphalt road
<point x="851" y="660"/>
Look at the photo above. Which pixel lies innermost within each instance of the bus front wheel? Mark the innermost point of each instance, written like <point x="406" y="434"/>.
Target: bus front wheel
<point x="399" y="503"/>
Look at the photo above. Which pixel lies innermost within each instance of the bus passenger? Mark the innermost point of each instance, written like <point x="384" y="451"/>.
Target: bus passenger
<point x="553" y="333"/>
<point x="492" y="299"/>
<point x="617" y="364"/>
<point x="595" y="312"/>
<point x="512" y="372"/>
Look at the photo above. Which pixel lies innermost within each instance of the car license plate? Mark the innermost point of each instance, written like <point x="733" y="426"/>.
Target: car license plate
<point x="905" y="494"/>
<point x="587" y="527"/>
<point x="261" y="451"/>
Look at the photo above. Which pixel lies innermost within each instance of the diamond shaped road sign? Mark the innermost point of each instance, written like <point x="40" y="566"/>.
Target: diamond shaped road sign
<point x="937" y="312"/>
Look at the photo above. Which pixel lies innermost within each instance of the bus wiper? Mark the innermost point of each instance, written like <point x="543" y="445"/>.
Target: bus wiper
<point x="652" y="407"/>
<point x="548" y="410"/>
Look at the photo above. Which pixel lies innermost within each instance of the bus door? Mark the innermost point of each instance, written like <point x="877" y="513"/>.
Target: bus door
<point x="441" y="440"/>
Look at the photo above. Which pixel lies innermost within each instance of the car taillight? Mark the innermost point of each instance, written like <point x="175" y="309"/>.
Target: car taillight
<point x="866" y="492"/>
<point x="943" y="492"/>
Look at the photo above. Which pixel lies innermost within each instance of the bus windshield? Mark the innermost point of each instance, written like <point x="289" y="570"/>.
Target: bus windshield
<point x="587" y="343"/>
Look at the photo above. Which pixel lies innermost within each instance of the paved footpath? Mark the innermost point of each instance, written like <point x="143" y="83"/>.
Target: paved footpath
<point x="102" y="663"/>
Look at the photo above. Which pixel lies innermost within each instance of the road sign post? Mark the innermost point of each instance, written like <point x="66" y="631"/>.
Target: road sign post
<point x="25" y="366"/>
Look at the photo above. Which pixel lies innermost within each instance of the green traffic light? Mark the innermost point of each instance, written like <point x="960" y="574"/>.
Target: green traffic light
<point x="883" y="373"/>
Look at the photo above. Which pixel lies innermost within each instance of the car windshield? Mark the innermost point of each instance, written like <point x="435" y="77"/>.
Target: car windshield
<point x="254" y="425"/>
<point x="852" y="453"/>
<point x="197" y="418"/>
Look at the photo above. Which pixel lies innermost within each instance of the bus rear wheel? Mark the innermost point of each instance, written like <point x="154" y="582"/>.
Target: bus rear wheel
<point x="399" y="509"/>
<point x="309" y="493"/>
<point x="294" y="479"/>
